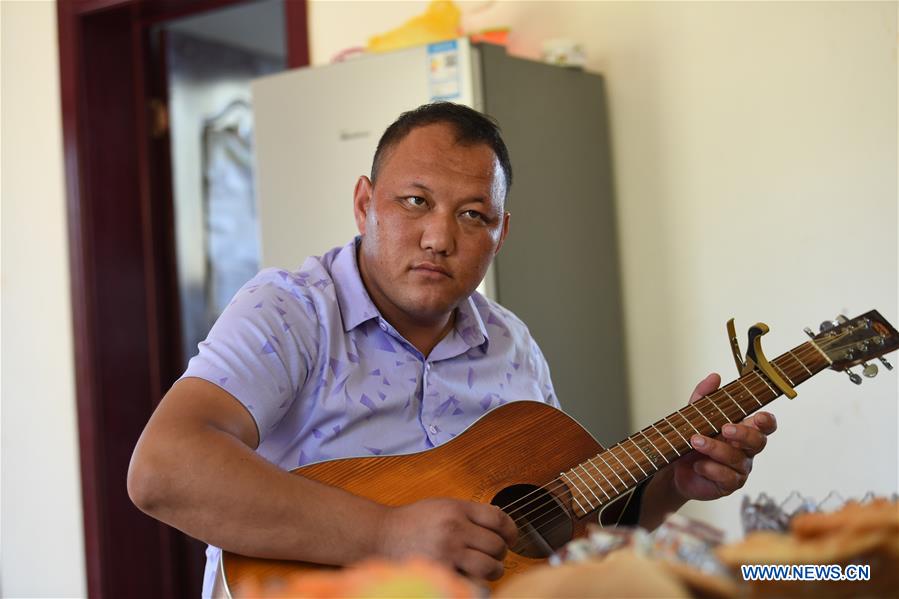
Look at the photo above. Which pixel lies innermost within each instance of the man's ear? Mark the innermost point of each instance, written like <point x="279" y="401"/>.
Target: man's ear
<point x="362" y="201"/>
<point x="502" y="236"/>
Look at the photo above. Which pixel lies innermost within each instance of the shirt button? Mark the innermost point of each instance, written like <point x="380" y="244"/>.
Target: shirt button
<point x="433" y="429"/>
<point x="427" y="365"/>
<point x="383" y="326"/>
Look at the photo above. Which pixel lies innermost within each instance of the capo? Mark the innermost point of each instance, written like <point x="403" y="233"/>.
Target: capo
<point x="755" y="357"/>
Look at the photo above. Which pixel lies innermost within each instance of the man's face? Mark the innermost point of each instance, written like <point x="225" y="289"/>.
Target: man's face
<point x="430" y="225"/>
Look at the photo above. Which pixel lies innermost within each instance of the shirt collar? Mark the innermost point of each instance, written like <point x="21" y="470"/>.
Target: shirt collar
<point x="469" y="324"/>
<point x="356" y="306"/>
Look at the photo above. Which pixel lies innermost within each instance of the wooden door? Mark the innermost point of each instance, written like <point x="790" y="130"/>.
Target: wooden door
<point x="124" y="296"/>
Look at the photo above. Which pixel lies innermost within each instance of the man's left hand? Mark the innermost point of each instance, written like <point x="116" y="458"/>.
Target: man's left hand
<point x="722" y="464"/>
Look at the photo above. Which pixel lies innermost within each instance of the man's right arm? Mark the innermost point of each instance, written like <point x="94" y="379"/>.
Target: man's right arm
<point x="195" y="468"/>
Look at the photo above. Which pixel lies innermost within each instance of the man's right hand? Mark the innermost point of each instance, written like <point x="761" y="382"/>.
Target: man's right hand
<point x="472" y="537"/>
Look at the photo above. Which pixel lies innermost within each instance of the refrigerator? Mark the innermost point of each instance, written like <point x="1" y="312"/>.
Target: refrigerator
<point x="316" y="130"/>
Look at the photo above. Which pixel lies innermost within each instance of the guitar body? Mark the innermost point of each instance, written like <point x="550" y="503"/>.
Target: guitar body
<point x="519" y="443"/>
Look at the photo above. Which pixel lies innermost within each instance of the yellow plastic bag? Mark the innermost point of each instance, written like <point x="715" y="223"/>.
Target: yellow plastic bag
<point x="441" y="21"/>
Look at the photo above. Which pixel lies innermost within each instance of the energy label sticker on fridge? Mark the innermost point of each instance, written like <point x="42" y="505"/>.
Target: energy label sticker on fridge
<point x="443" y="70"/>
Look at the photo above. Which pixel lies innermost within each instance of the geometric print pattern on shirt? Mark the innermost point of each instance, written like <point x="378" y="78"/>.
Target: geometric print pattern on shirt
<point x="325" y="376"/>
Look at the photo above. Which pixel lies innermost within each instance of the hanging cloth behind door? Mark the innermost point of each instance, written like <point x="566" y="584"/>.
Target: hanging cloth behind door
<point x="229" y="205"/>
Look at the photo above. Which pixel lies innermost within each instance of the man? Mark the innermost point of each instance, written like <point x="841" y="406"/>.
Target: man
<point x="382" y="346"/>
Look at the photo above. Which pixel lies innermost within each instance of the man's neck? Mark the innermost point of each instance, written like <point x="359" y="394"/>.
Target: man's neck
<point x="423" y="335"/>
<point x="426" y="339"/>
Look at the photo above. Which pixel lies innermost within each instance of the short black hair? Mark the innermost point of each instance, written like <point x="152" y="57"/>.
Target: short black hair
<point x="471" y="127"/>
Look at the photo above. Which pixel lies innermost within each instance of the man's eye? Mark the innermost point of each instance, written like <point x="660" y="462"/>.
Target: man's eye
<point x="474" y="215"/>
<point x="416" y="201"/>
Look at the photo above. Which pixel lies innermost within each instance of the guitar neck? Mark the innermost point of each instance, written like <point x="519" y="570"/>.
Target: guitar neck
<point x="623" y="466"/>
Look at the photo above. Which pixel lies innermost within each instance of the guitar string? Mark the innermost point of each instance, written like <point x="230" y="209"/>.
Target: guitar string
<point x="560" y="484"/>
<point x="564" y="514"/>
<point x="805" y="348"/>
<point x="761" y="390"/>
<point x="537" y="529"/>
<point x="664" y="436"/>
<point x="809" y="348"/>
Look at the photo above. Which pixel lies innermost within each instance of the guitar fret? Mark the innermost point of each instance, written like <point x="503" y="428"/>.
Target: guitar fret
<point x="687" y="420"/>
<point x="573" y="496"/>
<point x="764" y="380"/>
<point x="723" y="390"/>
<point x="677" y="431"/>
<point x="589" y="488"/>
<point x="599" y="486"/>
<point x="640" y="449"/>
<point x="801" y="363"/>
<point x="604" y="477"/>
<point x="613" y="472"/>
<point x="628" y="454"/>
<point x="622" y="464"/>
<point x="656" y="448"/>
<point x="783" y="374"/>
<point x="714" y="403"/>
<point x="750" y="392"/>
<point x="815" y="345"/>
<point x="706" y="419"/>
<point x="666" y="440"/>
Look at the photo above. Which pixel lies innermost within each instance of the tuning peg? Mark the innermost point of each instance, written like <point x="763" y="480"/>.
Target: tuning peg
<point x="827" y="325"/>
<point x="809" y="332"/>
<point x="841" y="319"/>
<point x="886" y="363"/>
<point x="869" y="370"/>
<point x="853" y="377"/>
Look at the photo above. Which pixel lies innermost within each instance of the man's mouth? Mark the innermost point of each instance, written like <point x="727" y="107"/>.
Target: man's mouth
<point x="431" y="267"/>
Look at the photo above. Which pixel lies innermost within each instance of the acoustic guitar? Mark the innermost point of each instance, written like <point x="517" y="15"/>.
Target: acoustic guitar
<point x="550" y="475"/>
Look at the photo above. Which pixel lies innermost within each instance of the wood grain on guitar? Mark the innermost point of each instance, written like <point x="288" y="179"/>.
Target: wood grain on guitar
<point x="549" y="474"/>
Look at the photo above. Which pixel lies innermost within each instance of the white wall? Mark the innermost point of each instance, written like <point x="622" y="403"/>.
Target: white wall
<point x="755" y="163"/>
<point x="42" y="538"/>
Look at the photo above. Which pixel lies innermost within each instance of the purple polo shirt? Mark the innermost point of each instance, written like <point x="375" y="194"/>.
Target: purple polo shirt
<point x="325" y="376"/>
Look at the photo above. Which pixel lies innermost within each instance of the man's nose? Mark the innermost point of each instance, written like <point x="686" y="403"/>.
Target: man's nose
<point x="439" y="234"/>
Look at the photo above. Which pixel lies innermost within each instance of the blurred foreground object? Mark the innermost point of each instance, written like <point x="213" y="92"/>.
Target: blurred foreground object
<point x="441" y="21"/>
<point x="675" y="560"/>
<point x="624" y="573"/>
<point x="858" y="533"/>
<point x="765" y="513"/>
<point x="368" y="579"/>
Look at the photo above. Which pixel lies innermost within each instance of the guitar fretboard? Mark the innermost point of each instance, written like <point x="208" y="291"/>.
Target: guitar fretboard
<point x="623" y="466"/>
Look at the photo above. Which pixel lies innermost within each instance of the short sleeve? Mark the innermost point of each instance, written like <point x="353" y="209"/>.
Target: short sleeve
<point x="541" y="372"/>
<point x="260" y="350"/>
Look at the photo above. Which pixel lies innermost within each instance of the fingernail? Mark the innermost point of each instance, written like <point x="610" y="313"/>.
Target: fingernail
<point x="729" y="429"/>
<point x="698" y="441"/>
<point x="762" y="419"/>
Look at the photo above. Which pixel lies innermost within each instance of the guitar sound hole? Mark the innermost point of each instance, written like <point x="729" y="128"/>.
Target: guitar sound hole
<point x="543" y="524"/>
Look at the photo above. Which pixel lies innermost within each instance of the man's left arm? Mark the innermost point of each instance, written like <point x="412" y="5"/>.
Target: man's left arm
<point x="717" y="468"/>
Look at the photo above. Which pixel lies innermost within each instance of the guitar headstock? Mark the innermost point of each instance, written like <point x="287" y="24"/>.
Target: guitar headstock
<point x="851" y="342"/>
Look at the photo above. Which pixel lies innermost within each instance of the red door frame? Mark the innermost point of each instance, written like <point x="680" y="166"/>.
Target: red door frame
<point x="123" y="281"/>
